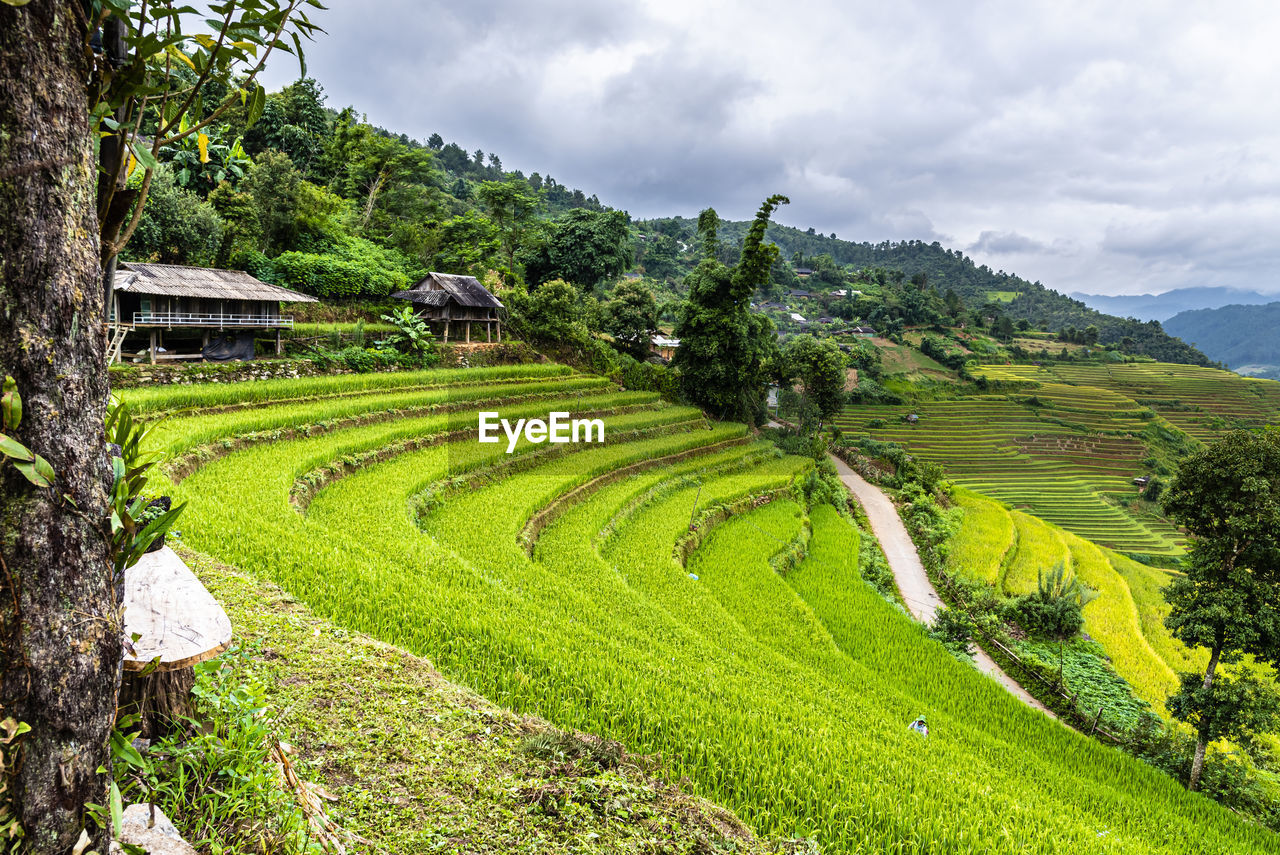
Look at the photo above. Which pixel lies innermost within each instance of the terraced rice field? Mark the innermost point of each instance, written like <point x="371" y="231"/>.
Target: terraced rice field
<point x="566" y="581"/>
<point x="1126" y="618"/>
<point x="1201" y="402"/>
<point x="1066" y="445"/>
<point x="1069" y="463"/>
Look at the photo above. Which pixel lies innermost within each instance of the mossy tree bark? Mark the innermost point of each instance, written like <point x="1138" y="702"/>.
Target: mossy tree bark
<point x="59" y="629"/>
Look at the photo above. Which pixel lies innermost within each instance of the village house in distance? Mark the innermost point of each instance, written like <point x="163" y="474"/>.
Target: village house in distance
<point x="193" y="312"/>
<point x="445" y="300"/>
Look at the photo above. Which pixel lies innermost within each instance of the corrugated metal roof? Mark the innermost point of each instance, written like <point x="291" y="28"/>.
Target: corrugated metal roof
<point x="465" y="290"/>
<point x="175" y="280"/>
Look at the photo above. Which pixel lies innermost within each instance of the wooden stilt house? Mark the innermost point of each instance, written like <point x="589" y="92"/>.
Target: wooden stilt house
<point x="181" y="309"/>
<point x="450" y="302"/>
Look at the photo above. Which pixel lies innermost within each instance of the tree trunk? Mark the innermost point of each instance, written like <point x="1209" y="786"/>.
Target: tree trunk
<point x="1197" y="762"/>
<point x="60" y="648"/>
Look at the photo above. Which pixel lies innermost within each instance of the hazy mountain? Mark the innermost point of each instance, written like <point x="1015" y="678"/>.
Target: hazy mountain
<point x="1247" y="338"/>
<point x="1159" y="307"/>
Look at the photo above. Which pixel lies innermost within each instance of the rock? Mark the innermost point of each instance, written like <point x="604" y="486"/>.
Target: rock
<point x="160" y="839"/>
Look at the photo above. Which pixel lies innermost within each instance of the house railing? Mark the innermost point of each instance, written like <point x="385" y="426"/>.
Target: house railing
<point x="221" y="321"/>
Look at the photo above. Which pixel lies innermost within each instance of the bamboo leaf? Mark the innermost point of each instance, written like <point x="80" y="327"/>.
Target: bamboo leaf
<point x="117" y="810"/>
<point x="302" y="59"/>
<point x="45" y="470"/>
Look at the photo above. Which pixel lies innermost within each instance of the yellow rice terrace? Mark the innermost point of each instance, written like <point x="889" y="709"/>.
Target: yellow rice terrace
<point x="676" y="587"/>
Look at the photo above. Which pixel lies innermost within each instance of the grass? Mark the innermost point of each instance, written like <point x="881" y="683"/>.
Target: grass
<point x="420" y="764"/>
<point x="898" y="359"/>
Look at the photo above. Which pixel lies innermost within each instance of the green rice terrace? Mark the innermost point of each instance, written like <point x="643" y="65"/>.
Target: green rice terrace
<point x="604" y="587"/>
<point x="1010" y="549"/>
<point x="1067" y="441"/>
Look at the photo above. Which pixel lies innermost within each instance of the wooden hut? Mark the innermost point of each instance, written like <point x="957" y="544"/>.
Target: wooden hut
<point x="444" y="300"/>
<point x="193" y="304"/>
<point x="664" y="345"/>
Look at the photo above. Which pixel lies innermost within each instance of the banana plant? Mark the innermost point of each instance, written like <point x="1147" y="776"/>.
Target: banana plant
<point x="202" y="161"/>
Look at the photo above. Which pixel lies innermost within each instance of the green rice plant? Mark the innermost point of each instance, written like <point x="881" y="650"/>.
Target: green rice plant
<point x="1112" y="620"/>
<point x="178" y="435"/>
<point x="1145" y="585"/>
<point x="1040" y="547"/>
<point x="987" y="534"/>
<point x="157" y="399"/>
<point x="785" y="698"/>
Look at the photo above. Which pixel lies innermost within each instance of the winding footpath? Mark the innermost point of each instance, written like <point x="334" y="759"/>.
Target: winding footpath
<point x="908" y="572"/>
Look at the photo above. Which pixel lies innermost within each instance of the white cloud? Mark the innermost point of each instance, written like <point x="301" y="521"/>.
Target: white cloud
<point x="1092" y="146"/>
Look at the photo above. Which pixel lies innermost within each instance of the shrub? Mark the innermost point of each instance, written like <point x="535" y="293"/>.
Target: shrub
<point x="354" y="268"/>
<point x="553" y="312"/>
<point x="646" y="377"/>
<point x="361" y="359"/>
<point x="1056" y="608"/>
<point x="953" y="628"/>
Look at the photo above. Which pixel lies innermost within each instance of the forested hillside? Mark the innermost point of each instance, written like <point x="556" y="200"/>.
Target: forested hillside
<point x="1237" y="335"/>
<point x="951" y="270"/>
<point x="320" y="201"/>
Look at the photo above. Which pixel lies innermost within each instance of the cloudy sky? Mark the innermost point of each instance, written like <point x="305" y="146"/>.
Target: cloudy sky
<point x="1096" y="147"/>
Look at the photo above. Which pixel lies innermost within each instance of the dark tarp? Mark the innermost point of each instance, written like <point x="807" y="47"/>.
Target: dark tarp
<point x="228" y="347"/>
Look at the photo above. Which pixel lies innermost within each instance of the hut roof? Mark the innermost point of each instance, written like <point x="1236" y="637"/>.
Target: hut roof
<point x="424" y="298"/>
<point x="464" y="290"/>
<point x="176" y="280"/>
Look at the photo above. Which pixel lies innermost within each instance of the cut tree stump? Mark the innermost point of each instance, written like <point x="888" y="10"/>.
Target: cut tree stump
<point x="178" y="624"/>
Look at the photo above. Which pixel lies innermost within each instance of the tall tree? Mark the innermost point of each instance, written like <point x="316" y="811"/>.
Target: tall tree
<point x="513" y="209"/>
<point x="59" y="625"/>
<point x="148" y="91"/>
<point x="631" y="317"/>
<point x="1228" y="601"/>
<point x="819" y="365"/>
<point x="725" y="348"/>
<point x="583" y="247"/>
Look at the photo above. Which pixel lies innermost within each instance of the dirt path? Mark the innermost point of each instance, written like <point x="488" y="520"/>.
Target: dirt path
<point x="922" y="600"/>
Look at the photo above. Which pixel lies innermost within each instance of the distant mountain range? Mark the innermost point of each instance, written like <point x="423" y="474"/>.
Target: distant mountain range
<point x="1161" y="307"/>
<point x="1246" y="338"/>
